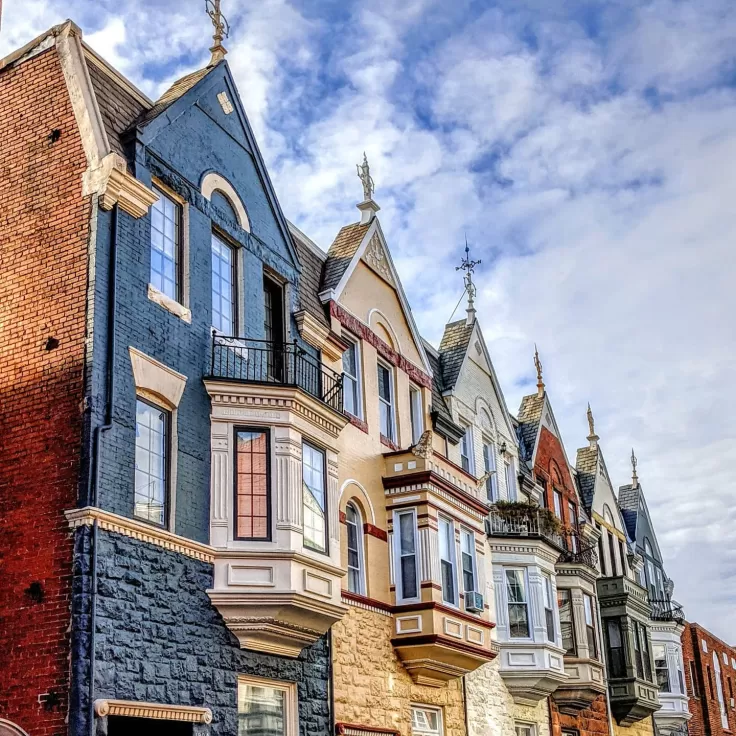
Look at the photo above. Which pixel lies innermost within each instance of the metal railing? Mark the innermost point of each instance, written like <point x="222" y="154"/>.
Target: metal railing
<point x="587" y="556"/>
<point x="664" y="609"/>
<point x="286" y="364"/>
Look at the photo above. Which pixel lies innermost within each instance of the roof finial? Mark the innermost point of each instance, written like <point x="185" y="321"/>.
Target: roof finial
<point x="222" y="30"/>
<point x="367" y="207"/>
<point x="538" y="366"/>
<point x="469" y="267"/>
<point x="592" y="437"/>
<point x="634" y="476"/>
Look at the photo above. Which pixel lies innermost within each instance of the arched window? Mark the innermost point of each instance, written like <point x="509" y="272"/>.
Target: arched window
<point x="356" y="564"/>
<point x="607" y="515"/>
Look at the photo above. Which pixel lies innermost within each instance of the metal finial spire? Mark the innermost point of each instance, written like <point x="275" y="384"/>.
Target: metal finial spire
<point x="222" y="30"/>
<point x="364" y="174"/>
<point x="592" y="437"/>
<point x="538" y="366"/>
<point x="634" y="463"/>
<point x="468" y="266"/>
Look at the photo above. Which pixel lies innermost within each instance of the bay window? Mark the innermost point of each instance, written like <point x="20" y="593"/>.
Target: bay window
<point x="588" y="607"/>
<point x="616" y="656"/>
<point x="446" y="531"/>
<point x="407" y="565"/>
<point x="518" y="604"/>
<point x="661" y="669"/>
<point x="468" y="562"/>
<point x="567" y="622"/>
<point x="252" y="483"/>
<point x="549" y="612"/>
<point x="314" y="498"/>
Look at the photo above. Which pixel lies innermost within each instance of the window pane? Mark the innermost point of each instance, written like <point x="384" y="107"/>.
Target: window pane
<point x="150" y="463"/>
<point x="223" y="309"/>
<point x="425" y="722"/>
<point x="355" y="551"/>
<point x="407" y="557"/>
<point x="567" y="626"/>
<point x="385" y="402"/>
<point x="660" y="666"/>
<point x="313" y="491"/>
<point x="252" y="494"/>
<point x="447" y="565"/>
<point x="261" y="710"/>
<point x="518" y="610"/>
<point x="165" y="218"/>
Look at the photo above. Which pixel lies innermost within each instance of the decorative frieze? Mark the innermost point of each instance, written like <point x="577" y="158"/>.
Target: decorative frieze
<point x="158" y="711"/>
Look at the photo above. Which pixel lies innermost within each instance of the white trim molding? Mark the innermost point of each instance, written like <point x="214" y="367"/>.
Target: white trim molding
<point x="133" y="709"/>
<point x="212" y="182"/>
<point x="154" y="377"/>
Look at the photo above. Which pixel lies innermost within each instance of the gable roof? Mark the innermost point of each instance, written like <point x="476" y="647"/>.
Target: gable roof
<point x="442" y="417"/>
<point x="178" y="89"/>
<point x="628" y="502"/>
<point x="312" y="260"/>
<point x="586" y="464"/>
<point x="453" y="347"/>
<point x="529" y="419"/>
<point x="341" y="253"/>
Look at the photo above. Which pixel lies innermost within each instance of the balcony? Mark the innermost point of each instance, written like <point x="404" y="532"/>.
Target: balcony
<point x="276" y="364"/>
<point x="665" y="609"/>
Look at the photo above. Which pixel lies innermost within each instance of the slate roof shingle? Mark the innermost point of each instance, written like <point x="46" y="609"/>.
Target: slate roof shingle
<point x="310" y="279"/>
<point x="628" y="502"/>
<point x="341" y="252"/>
<point x="453" y="347"/>
<point x="173" y="93"/>
<point x="530" y="415"/>
<point x="438" y="400"/>
<point x="586" y="464"/>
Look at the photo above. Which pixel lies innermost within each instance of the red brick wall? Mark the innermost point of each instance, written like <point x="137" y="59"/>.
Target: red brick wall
<point x="549" y="454"/>
<point x="592" y="721"/>
<point x="706" y="720"/>
<point x="43" y="276"/>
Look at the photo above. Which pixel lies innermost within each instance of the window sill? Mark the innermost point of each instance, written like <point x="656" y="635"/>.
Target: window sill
<point x="357" y="422"/>
<point x="389" y="443"/>
<point x="169" y="304"/>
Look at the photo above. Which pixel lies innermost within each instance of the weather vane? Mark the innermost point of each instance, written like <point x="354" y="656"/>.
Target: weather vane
<point x="222" y="30"/>
<point x="538" y="366"/>
<point x="591" y="421"/>
<point x="364" y="174"/>
<point x="468" y="266"/>
<point x="634" y="463"/>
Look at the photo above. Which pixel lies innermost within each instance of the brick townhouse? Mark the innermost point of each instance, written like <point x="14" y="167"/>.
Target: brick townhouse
<point x="710" y="681"/>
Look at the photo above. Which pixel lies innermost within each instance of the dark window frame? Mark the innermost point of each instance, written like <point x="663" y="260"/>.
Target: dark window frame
<point x="269" y="495"/>
<point x="562" y="592"/>
<point x="178" y="243"/>
<point x="617" y="664"/>
<point x="168" y="423"/>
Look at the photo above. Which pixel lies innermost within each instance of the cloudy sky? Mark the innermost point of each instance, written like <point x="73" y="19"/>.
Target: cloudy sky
<point x="586" y="148"/>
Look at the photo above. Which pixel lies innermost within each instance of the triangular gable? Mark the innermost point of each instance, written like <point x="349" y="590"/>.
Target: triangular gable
<point x="374" y="252"/>
<point x="603" y="494"/>
<point x="220" y="75"/>
<point x="644" y="523"/>
<point x="477" y="341"/>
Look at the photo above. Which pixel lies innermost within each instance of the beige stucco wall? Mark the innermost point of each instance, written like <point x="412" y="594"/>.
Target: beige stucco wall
<point x="372" y="687"/>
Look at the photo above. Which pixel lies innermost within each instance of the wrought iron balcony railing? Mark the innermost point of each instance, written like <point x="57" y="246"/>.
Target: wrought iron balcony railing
<point x="586" y="556"/>
<point x="664" y="609"/>
<point x="285" y="364"/>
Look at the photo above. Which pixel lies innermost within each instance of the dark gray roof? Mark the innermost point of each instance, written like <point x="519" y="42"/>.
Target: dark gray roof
<point x="341" y="252"/>
<point x="453" y="347"/>
<point x="586" y="463"/>
<point x="309" y="280"/>
<point x="530" y="415"/>
<point x="118" y="107"/>
<point x="628" y="502"/>
<point x="173" y="93"/>
<point x="438" y="400"/>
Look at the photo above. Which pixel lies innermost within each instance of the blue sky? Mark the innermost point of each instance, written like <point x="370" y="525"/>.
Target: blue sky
<point x="587" y="149"/>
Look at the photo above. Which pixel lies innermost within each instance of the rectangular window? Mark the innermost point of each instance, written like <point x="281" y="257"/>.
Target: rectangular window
<point x="468" y="562"/>
<point x="151" y="462"/>
<point x="352" y="391"/>
<point x="646" y="655"/>
<point x="166" y="245"/>
<point x="612" y="552"/>
<point x="252" y="496"/>
<point x="266" y="707"/>
<point x="466" y="450"/>
<point x="405" y="531"/>
<point x="601" y="556"/>
<point x="511" y="480"/>
<point x="446" y="531"/>
<point x="680" y="676"/>
<point x="489" y="466"/>
<point x="386" y="402"/>
<point x="660" y="668"/>
<point x="314" y="498"/>
<point x="356" y="576"/>
<point x="416" y="414"/>
<point x="557" y="497"/>
<point x="567" y="622"/>
<point x="524" y="729"/>
<point x="616" y="658"/>
<point x="519" y="624"/>
<point x="223" y="287"/>
<point x="695" y="690"/>
<point x="590" y="625"/>
<point x="426" y="721"/>
<point x="549" y="612"/>
<point x="622" y="556"/>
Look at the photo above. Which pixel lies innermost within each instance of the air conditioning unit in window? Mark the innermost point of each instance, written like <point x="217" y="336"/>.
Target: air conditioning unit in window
<point x="474" y="602"/>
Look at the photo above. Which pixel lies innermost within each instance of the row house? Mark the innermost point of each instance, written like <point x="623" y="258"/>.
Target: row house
<point x="710" y="682"/>
<point x="169" y="409"/>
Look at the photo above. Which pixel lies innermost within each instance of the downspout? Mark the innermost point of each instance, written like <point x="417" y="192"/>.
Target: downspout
<point x="94" y="476"/>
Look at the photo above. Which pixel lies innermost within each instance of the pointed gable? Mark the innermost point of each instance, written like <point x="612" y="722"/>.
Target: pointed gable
<point x="586" y="464"/>
<point x="340" y="254"/>
<point x="529" y="418"/>
<point x="453" y="348"/>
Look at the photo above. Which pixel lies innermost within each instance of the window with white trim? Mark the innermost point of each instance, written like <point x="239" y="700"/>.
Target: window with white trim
<point x="166" y="245"/>
<point x="525" y="729"/>
<point x="489" y="466"/>
<point x="518" y="604"/>
<point x="426" y="721"/>
<point x="661" y="670"/>
<point x="356" y="568"/>
<point x="267" y="707"/>
<point x="416" y="414"/>
<point x="590" y="625"/>
<point x="466" y="450"/>
<point x="406" y="555"/>
<point x="549" y="611"/>
<point x="352" y="384"/>
<point x="511" y="486"/>
<point x="314" y="494"/>
<point x="468" y="561"/>
<point x="446" y="532"/>
<point x="387" y="421"/>
<point x="557" y="497"/>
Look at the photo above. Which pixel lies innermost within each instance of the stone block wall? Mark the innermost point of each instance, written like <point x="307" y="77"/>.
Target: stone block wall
<point x="644" y="727"/>
<point x="159" y="639"/>
<point x="371" y="686"/>
<point x="591" y="721"/>
<point x="44" y="230"/>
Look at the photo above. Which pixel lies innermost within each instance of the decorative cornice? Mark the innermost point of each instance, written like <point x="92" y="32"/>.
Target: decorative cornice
<point x="463" y="502"/>
<point x="319" y="336"/>
<point x="532" y="547"/>
<point x="141" y="531"/>
<point x="369" y="604"/>
<point x="116" y="185"/>
<point x="355" y="729"/>
<point x="133" y="709"/>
